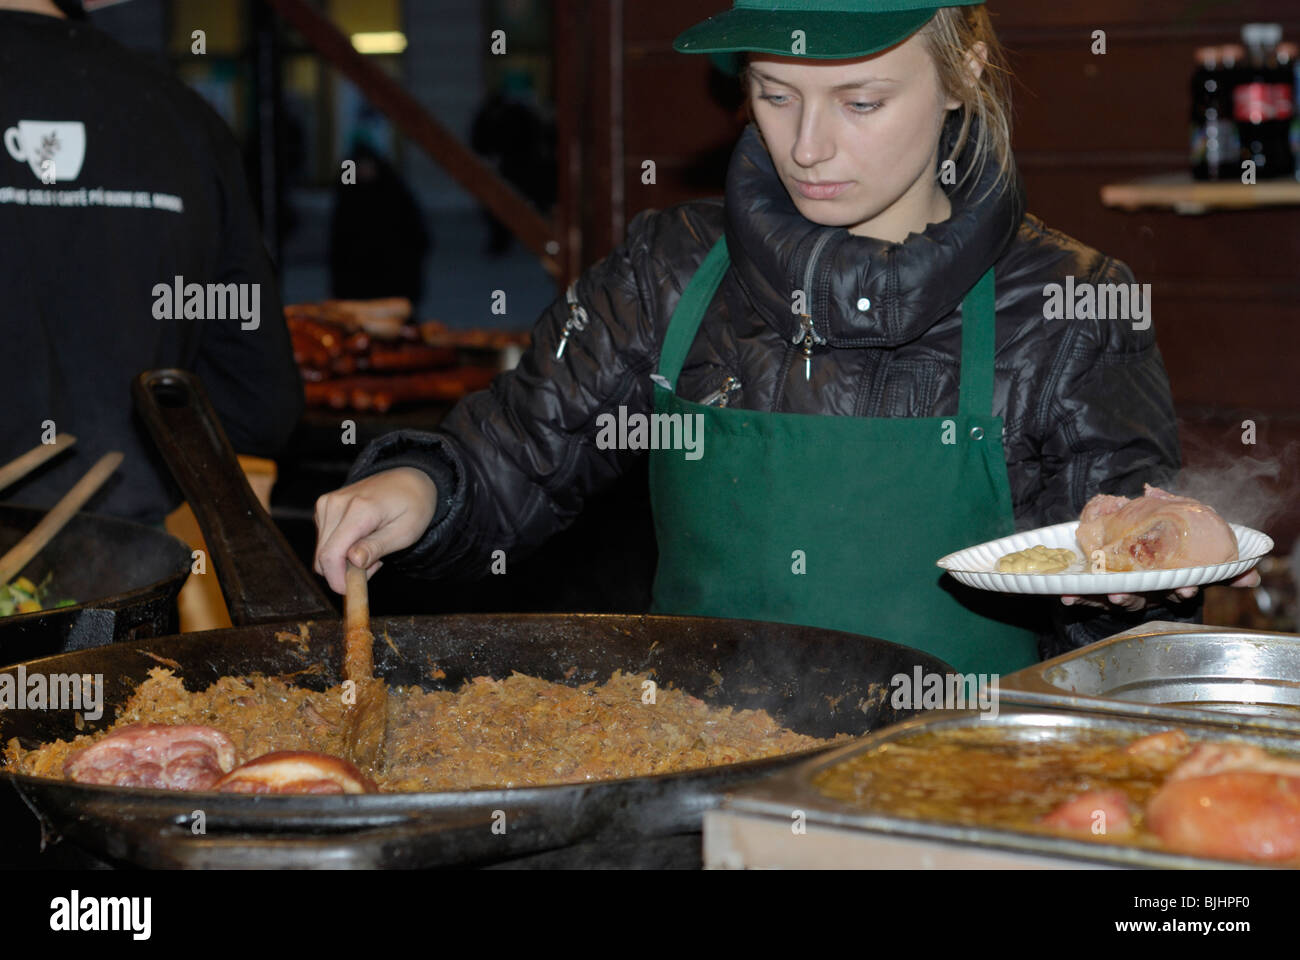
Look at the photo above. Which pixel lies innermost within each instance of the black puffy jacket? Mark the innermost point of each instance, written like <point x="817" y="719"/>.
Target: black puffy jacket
<point x="1085" y="403"/>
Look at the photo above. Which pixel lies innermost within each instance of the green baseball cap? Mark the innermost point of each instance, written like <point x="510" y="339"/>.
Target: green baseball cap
<point x="830" y="29"/>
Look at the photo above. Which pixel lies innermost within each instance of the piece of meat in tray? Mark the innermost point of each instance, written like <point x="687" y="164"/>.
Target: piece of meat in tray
<point x="369" y="356"/>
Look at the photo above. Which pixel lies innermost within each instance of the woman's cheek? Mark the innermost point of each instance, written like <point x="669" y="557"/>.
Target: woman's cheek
<point x="882" y="159"/>
<point x="897" y="149"/>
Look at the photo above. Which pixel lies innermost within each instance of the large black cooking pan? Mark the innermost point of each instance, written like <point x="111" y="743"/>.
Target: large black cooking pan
<point x="817" y="682"/>
<point x="124" y="577"/>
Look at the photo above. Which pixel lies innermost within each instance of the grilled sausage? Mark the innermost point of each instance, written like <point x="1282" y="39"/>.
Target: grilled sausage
<point x="382" y="393"/>
<point x="410" y="356"/>
<point x="325" y="336"/>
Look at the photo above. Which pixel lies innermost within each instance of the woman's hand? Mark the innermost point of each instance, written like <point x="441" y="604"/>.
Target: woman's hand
<point x="370" y="519"/>
<point x="1133" y="602"/>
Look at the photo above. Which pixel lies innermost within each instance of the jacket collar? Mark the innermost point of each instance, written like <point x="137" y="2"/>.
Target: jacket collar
<point x="906" y="287"/>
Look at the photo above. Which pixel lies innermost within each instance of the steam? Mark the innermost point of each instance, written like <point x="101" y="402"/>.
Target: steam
<point x="1240" y="491"/>
<point x="1243" y="489"/>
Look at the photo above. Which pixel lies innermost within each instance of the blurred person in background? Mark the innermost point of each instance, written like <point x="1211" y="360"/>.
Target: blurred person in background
<point x="115" y="181"/>
<point x="378" y="239"/>
<point x="512" y="129"/>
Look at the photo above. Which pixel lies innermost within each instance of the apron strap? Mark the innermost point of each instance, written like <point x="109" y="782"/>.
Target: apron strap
<point x="978" y="335"/>
<point x="690" y="310"/>
<point x="978" y="331"/>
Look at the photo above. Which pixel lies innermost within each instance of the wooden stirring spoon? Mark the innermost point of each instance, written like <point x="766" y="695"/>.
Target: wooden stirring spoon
<point x="12" y="563"/>
<point x="367" y="716"/>
<point x="19" y="467"/>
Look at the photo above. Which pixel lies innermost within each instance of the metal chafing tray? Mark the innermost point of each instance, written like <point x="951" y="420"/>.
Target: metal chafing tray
<point x="1174" y="671"/>
<point x="753" y="827"/>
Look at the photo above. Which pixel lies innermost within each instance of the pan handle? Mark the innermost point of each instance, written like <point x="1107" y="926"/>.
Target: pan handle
<point x="260" y="576"/>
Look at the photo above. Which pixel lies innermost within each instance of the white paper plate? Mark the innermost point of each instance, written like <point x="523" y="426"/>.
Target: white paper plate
<point x="977" y="566"/>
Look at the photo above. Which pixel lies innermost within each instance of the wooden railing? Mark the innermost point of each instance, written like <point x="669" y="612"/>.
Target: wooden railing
<point x="534" y="230"/>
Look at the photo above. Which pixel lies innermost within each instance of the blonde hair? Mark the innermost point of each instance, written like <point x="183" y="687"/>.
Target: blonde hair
<point x="951" y="36"/>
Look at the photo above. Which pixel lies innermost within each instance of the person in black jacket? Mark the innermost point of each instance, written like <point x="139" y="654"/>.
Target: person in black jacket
<point x="511" y="129"/>
<point x="127" y="242"/>
<point x="378" y="240"/>
<point x="872" y="265"/>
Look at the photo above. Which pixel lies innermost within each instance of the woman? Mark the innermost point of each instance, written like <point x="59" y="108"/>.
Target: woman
<point x="872" y="222"/>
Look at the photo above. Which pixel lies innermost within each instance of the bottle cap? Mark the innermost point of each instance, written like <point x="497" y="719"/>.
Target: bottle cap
<point x="1261" y="34"/>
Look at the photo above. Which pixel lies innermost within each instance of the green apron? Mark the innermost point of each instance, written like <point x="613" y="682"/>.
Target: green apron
<point x="835" y="521"/>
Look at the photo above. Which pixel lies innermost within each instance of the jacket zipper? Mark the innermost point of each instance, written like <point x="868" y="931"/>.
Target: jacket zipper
<point x="807" y="333"/>
<point x="577" y="319"/>
<point x="721" y="396"/>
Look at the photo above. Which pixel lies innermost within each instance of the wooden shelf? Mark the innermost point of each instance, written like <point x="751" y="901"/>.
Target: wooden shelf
<point x="1182" y="194"/>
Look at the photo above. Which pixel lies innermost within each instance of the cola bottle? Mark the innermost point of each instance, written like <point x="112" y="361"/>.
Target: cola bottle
<point x="1262" y="103"/>
<point x="1215" y="149"/>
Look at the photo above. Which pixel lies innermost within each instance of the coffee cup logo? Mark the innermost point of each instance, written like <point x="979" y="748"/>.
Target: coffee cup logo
<point x="53" y="149"/>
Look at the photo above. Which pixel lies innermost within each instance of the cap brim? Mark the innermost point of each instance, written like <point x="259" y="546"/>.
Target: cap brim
<point x="825" y="36"/>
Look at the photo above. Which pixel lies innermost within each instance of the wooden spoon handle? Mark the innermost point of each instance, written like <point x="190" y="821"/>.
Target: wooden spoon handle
<point x="358" y="657"/>
<point x="366" y="720"/>
<point x="54" y="521"/>
<point x="19" y="467"/>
